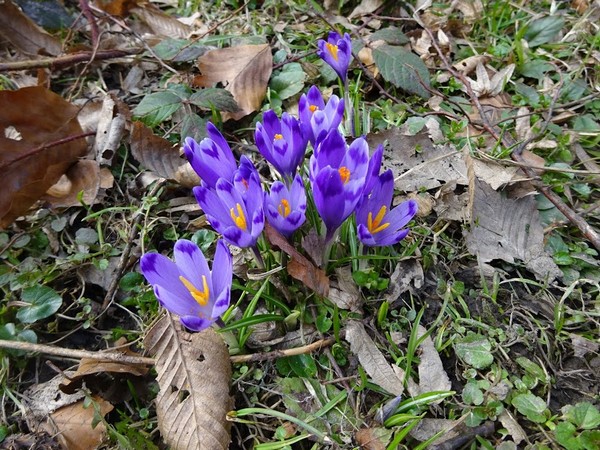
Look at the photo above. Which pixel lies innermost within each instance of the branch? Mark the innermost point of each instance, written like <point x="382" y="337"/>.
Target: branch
<point x="67" y="60"/>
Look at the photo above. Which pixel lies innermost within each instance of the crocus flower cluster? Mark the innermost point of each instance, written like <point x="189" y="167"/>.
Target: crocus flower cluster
<point x="344" y="178"/>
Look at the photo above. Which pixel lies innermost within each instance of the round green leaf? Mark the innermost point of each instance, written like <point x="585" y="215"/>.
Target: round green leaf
<point x="531" y="406"/>
<point x="42" y="302"/>
<point x="584" y="415"/>
<point x="475" y="350"/>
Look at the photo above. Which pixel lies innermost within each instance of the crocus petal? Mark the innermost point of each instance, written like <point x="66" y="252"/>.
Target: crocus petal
<point x="196" y="323"/>
<point x="222" y="303"/>
<point x="180" y="305"/>
<point x="222" y="267"/>
<point x="328" y="193"/>
<point x="160" y="270"/>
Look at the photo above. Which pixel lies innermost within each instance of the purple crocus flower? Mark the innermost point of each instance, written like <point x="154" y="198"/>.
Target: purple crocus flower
<point x="235" y="209"/>
<point x="337" y="175"/>
<point x="281" y="142"/>
<point x="187" y="287"/>
<point x="286" y="208"/>
<point x="377" y="224"/>
<point x="212" y="158"/>
<point x="337" y="52"/>
<point x="373" y="170"/>
<point x="318" y="118"/>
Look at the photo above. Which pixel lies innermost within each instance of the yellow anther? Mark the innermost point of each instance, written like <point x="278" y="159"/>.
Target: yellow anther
<point x="240" y="219"/>
<point x="200" y="296"/>
<point x="313" y="108"/>
<point x="344" y="174"/>
<point x="278" y="137"/>
<point x="333" y="49"/>
<point x="375" y="226"/>
<point x="284" y="208"/>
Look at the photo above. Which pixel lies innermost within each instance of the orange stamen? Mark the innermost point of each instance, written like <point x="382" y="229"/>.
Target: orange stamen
<point x="278" y="137"/>
<point x="240" y="219"/>
<point x="333" y="50"/>
<point x="344" y="174"/>
<point x="200" y="296"/>
<point x="313" y="108"/>
<point x="375" y="225"/>
<point x="284" y="208"/>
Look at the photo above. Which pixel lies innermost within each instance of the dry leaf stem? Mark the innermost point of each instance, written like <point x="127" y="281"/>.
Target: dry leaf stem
<point x="573" y="217"/>
<point x="67" y="60"/>
<point x="237" y="359"/>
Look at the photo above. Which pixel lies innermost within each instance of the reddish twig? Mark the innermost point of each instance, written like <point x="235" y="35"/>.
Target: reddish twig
<point x="67" y="60"/>
<point x="87" y="12"/>
<point x="47" y="145"/>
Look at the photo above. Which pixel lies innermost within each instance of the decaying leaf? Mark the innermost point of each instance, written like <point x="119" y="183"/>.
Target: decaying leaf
<point x="407" y="276"/>
<point x="31" y="156"/>
<point x="193" y="372"/>
<point x="371" y="359"/>
<point x="20" y="31"/>
<point x="432" y="376"/>
<point x="508" y="229"/>
<point x="299" y="267"/>
<point x="244" y="70"/>
<point x="484" y="86"/>
<point x="74" y="424"/>
<point x="161" y="23"/>
<point x="373" y="438"/>
<point x="365" y="7"/>
<point x="343" y="291"/>
<point x="82" y="183"/>
<point x="418" y="163"/>
<point x="161" y="156"/>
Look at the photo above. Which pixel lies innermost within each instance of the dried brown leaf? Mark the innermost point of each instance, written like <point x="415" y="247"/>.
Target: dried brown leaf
<point x="373" y="438"/>
<point x="299" y="266"/>
<point x="161" y="23"/>
<point x="432" y="376"/>
<point x="24" y="34"/>
<point x="83" y="176"/>
<point x="244" y="70"/>
<point x="371" y="359"/>
<point x="508" y="229"/>
<point x="73" y="424"/>
<point x="194" y="373"/>
<point x="31" y="156"/>
<point x="160" y="156"/>
<point x="365" y="7"/>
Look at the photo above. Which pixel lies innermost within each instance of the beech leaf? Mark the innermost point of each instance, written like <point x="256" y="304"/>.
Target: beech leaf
<point x="243" y="70"/>
<point x="31" y="157"/>
<point x="193" y="372"/>
<point x="161" y="156"/>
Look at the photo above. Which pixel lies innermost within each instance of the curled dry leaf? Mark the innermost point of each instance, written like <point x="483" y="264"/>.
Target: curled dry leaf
<point x="20" y="31"/>
<point x="371" y="358"/>
<point x="161" y="156"/>
<point x="161" y="23"/>
<point x="193" y="372"/>
<point x="244" y="70"/>
<point x="299" y="266"/>
<point x="85" y="177"/>
<point x="74" y="424"/>
<point x="40" y="138"/>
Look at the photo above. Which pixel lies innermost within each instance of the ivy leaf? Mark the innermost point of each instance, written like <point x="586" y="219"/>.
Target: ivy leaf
<point x="289" y="81"/>
<point x="42" y="302"/>
<point x="216" y="98"/>
<point x="475" y="350"/>
<point x="542" y="31"/>
<point x="403" y="69"/>
<point x="531" y="406"/>
<point x="157" y="107"/>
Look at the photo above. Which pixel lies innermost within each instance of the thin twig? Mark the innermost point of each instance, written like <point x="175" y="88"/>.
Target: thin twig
<point x="67" y="60"/>
<point x="75" y="354"/>
<point x="85" y="9"/>
<point x="237" y="359"/>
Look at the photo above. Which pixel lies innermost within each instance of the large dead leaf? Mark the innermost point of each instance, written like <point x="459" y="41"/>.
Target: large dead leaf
<point x="193" y="372"/>
<point x="161" y="156"/>
<point x="507" y="229"/>
<point x="161" y="23"/>
<point x="25" y="35"/>
<point x="244" y="70"/>
<point x="73" y="424"/>
<point x="418" y="163"/>
<point x="31" y="157"/>
<point x="432" y="376"/>
<point x="371" y="359"/>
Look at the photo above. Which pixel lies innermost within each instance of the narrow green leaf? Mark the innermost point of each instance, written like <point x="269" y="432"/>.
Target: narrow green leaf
<point x="403" y="69"/>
